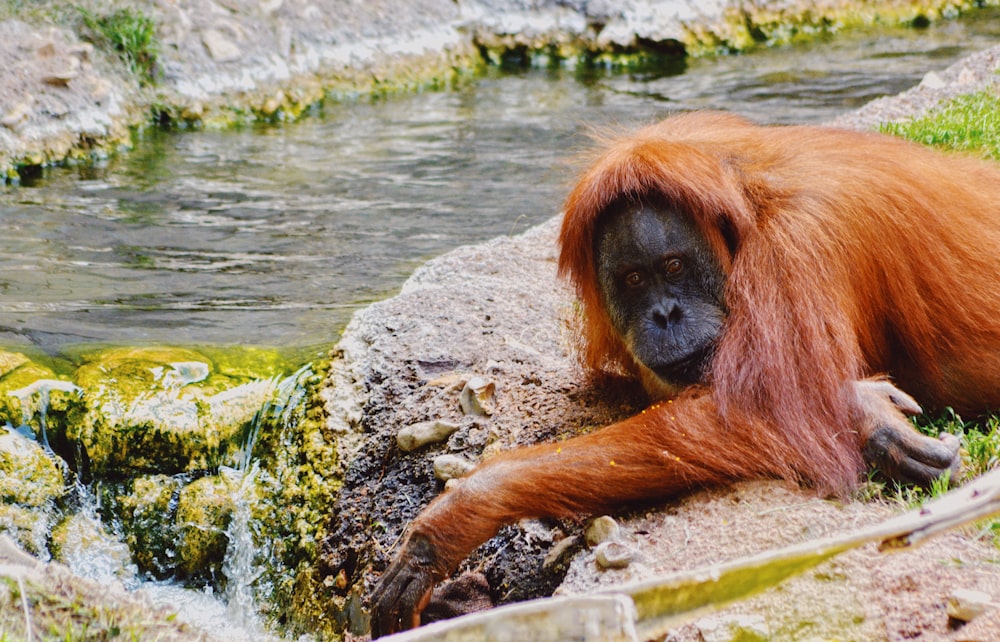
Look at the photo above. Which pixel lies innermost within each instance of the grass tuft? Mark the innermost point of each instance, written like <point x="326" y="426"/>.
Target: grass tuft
<point x="131" y="34"/>
<point x="969" y="123"/>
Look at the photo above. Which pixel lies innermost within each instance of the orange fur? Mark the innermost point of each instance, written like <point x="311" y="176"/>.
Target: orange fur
<point x="856" y="254"/>
<point x="847" y="255"/>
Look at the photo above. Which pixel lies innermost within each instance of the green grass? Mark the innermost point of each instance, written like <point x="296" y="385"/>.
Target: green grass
<point x="969" y="123"/>
<point x="129" y="33"/>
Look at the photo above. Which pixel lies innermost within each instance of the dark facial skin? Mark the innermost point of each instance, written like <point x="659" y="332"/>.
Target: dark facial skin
<point x="663" y="289"/>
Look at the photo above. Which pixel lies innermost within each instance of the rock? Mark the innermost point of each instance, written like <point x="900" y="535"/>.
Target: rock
<point x="18" y="113"/>
<point x="219" y="47"/>
<point x="99" y="88"/>
<point x="932" y="80"/>
<point x="613" y="554"/>
<point x="164" y="410"/>
<point x="30" y="484"/>
<point x="29" y="391"/>
<point x="601" y="529"/>
<point x="448" y="467"/>
<point x="193" y="111"/>
<point x="559" y="550"/>
<point x="476" y="397"/>
<point x="204" y="510"/>
<point x="451" y="381"/>
<point x="420" y="434"/>
<point x="63" y="71"/>
<point x="967" y="604"/>
<point x="273" y="104"/>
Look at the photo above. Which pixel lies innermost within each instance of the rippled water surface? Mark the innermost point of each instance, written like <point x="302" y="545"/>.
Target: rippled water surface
<point x="275" y="235"/>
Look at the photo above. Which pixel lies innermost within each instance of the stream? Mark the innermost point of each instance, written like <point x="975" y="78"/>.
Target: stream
<point x="273" y="235"/>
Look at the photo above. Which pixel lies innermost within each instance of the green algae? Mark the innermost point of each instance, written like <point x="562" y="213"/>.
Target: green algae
<point x="166" y="410"/>
<point x="204" y="510"/>
<point x="30" y="486"/>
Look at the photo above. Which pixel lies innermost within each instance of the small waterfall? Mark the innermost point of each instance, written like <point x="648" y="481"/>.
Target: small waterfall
<point x="241" y="566"/>
<point x="95" y="549"/>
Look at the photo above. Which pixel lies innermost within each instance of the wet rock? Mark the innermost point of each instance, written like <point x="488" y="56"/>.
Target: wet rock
<point x="28" y="476"/>
<point x="31" y="396"/>
<point x="146" y="507"/>
<point x="204" y="509"/>
<point x="420" y="434"/>
<point x="476" y="397"/>
<point x="614" y="554"/>
<point x="601" y="529"/>
<point x="30" y="484"/>
<point x="162" y="410"/>
<point x="447" y="467"/>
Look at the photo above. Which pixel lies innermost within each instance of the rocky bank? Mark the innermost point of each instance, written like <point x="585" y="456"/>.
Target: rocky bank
<point x="78" y="77"/>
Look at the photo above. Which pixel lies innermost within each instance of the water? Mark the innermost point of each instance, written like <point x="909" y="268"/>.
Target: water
<point x="275" y="235"/>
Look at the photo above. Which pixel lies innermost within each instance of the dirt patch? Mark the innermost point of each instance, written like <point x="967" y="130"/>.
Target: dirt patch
<point x="859" y="595"/>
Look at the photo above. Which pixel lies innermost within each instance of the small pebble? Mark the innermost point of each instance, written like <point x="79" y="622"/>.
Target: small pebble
<point x="558" y="550"/>
<point x="967" y="604"/>
<point x="601" y="529"/>
<point x="476" y="397"/>
<point x="613" y="554"/>
<point x="420" y="434"/>
<point x="448" y="467"/>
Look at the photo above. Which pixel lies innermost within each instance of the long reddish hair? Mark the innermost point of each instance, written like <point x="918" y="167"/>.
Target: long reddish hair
<point x="820" y="252"/>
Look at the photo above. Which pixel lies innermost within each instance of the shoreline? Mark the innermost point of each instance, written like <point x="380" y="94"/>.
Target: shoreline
<point x="69" y="98"/>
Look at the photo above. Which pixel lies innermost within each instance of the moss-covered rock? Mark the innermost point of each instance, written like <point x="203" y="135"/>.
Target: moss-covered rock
<point x="175" y="527"/>
<point x="32" y="395"/>
<point x="146" y="507"/>
<point x="30" y="485"/>
<point x="204" y="509"/>
<point x="162" y="410"/>
<point x="298" y="483"/>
